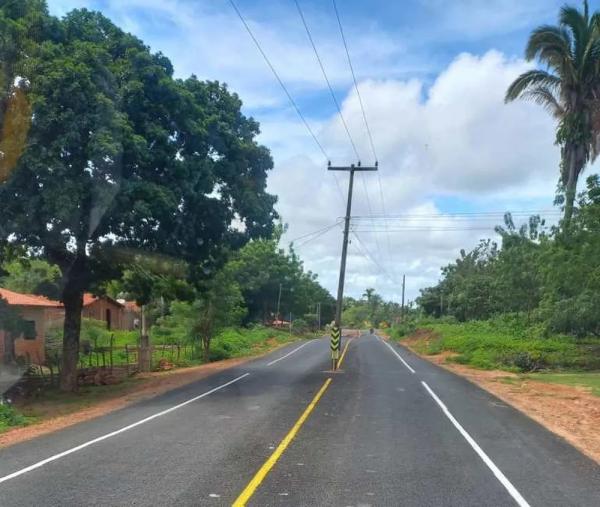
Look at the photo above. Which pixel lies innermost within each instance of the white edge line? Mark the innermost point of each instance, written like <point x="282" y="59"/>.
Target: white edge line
<point x="116" y="432"/>
<point x="289" y="353"/>
<point x="486" y="459"/>
<point x="398" y="356"/>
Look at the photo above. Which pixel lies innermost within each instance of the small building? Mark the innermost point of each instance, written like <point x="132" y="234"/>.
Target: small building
<point x="40" y="314"/>
<point x="104" y="308"/>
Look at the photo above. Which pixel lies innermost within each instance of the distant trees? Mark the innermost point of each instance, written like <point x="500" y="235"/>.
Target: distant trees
<point x="120" y="158"/>
<point x="32" y="276"/>
<point x="551" y="279"/>
<point x="569" y="89"/>
<point x="260" y="267"/>
<point x="370" y="311"/>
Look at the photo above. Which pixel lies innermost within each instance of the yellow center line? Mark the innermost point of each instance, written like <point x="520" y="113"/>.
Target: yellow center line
<point x="270" y="463"/>
<point x="344" y="353"/>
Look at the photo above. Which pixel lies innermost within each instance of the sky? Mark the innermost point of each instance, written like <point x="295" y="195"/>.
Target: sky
<point x="432" y="76"/>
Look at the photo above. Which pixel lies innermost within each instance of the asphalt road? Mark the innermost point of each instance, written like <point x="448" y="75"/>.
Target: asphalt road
<point x="389" y="429"/>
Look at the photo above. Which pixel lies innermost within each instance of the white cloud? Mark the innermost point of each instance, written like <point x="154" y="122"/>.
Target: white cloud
<point x="457" y="139"/>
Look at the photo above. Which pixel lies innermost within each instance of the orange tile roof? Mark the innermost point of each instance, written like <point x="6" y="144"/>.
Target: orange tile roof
<point x="17" y="299"/>
<point x="89" y="298"/>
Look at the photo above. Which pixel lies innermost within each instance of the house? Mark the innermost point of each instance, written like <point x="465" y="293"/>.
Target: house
<point x="103" y="308"/>
<point x="40" y="314"/>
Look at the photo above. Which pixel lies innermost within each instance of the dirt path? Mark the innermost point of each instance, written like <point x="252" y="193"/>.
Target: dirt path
<point x="570" y="412"/>
<point x="56" y="414"/>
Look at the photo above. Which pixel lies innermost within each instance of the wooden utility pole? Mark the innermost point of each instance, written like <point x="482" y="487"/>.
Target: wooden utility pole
<point x="403" y="285"/>
<point x="278" y="305"/>
<point x="340" y="293"/>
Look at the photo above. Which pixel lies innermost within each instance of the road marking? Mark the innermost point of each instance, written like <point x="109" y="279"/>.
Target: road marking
<point x="289" y="353"/>
<point x="270" y="463"/>
<point x="116" y="432"/>
<point x="486" y="459"/>
<point x="398" y="355"/>
<point x="344" y="353"/>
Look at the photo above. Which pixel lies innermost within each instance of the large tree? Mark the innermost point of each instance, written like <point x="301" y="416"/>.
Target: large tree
<point x="569" y="89"/>
<point x="123" y="159"/>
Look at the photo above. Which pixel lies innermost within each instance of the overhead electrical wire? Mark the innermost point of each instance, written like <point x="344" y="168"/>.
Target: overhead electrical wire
<point x="279" y="80"/>
<point x="364" y="115"/>
<point x="335" y="101"/>
<point x="317" y="235"/>
<point x="337" y="15"/>
<point x="324" y="229"/>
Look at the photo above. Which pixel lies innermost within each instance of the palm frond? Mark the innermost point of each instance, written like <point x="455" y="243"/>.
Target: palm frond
<point x="545" y="98"/>
<point x="577" y="23"/>
<point x="548" y="40"/>
<point x="530" y="80"/>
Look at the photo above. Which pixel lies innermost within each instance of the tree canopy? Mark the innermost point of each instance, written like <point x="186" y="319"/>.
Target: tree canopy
<point x="121" y="158"/>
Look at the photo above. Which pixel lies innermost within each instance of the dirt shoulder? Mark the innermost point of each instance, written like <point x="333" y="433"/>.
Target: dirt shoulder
<point x="569" y="411"/>
<point x="53" y="413"/>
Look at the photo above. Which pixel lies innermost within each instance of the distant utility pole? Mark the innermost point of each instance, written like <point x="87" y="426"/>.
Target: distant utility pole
<point x="403" y="285"/>
<point x="278" y="303"/>
<point x="340" y="293"/>
<point x="319" y="316"/>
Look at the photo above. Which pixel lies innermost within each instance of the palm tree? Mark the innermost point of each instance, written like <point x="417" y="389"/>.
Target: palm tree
<point x="568" y="89"/>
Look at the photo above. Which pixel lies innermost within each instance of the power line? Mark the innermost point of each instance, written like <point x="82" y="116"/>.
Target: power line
<point x="364" y="115"/>
<point x="458" y="215"/>
<point x="324" y="229"/>
<point x="337" y="105"/>
<point x="371" y="258"/>
<point x="289" y="96"/>
<point x="337" y="15"/>
<point x="321" y="233"/>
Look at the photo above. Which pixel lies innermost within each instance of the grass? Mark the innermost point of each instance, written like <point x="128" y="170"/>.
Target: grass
<point x="505" y="343"/>
<point x="11" y="418"/>
<point x="588" y="380"/>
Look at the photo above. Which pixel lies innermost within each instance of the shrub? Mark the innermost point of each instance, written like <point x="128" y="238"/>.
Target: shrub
<point x="10" y="417"/>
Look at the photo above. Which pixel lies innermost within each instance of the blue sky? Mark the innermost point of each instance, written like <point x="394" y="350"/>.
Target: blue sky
<point x="432" y="75"/>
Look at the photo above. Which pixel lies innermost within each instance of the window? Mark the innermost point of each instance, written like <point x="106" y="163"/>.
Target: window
<point x="29" y="332"/>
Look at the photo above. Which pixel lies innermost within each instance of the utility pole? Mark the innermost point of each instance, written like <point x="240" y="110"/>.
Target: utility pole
<point x="403" y="285"/>
<point x="278" y="304"/>
<point x="340" y="293"/>
<point x="319" y="316"/>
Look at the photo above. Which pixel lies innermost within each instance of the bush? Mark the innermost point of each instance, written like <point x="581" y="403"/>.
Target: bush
<point x="299" y="326"/>
<point x="403" y="329"/>
<point x="507" y="342"/>
<point x="9" y="417"/>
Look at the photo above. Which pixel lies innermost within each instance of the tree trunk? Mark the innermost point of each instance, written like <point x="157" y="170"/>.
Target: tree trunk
<point x="206" y="349"/>
<point x="575" y="161"/>
<point x="145" y="350"/>
<point x="73" y="302"/>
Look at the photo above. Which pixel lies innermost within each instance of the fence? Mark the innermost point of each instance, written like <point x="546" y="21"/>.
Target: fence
<point x="98" y="364"/>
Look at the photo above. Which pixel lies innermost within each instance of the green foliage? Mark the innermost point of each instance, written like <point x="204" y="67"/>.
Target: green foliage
<point x="259" y="269"/>
<point x="32" y="276"/>
<point x="9" y="417"/>
<point x="300" y="326"/>
<point x="120" y="157"/>
<point x="371" y="311"/>
<point x="507" y="342"/>
<point x="551" y="278"/>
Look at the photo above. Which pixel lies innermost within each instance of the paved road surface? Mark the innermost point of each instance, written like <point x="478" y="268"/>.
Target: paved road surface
<point x="380" y="435"/>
